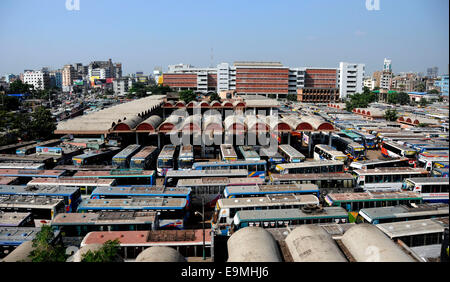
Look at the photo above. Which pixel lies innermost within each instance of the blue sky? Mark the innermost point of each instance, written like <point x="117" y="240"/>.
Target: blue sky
<point x="143" y="34"/>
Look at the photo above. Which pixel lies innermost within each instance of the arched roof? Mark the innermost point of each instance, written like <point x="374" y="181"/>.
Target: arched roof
<point x="227" y="104"/>
<point x="367" y="243"/>
<point x="311" y="243"/>
<point x="252" y="244"/>
<point x="173" y="121"/>
<point x="180" y="104"/>
<point x="297" y="124"/>
<point x="192" y="123"/>
<point x="235" y="123"/>
<point x="276" y="124"/>
<point x="212" y="122"/>
<point x="127" y="124"/>
<point x="160" y="254"/>
<point x="256" y="124"/>
<point x="169" y="104"/>
<point x="150" y="124"/>
<point x="215" y="104"/>
<point x="318" y="124"/>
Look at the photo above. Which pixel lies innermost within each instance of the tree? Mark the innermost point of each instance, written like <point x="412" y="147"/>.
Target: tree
<point x="18" y="87"/>
<point x="392" y="98"/>
<point x="391" y="115"/>
<point x="420" y="87"/>
<point x="42" y="123"/>
<point x="292" y="97"/>
<point x="44" y="250"/>
<point x="107" y="253"/>
<point x="360" y="100"/>
<point x="403" y="98"/>
<point x="433" y="91"/>
<point x="187" y="96"/>
<point x="214" y="97"/>
<point x="423" y="102"/>
<point x="9" y="103"/>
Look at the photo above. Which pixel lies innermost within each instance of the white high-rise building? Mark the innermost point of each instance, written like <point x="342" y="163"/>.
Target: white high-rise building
<point x="39" y="79"/>
<point x="351" y="79"/>
<point x="369" y="82"/>
<point x="387" y="66"/>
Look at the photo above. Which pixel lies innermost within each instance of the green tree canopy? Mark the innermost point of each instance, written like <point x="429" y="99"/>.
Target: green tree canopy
<point x="214" y="97"/>
<point x="187" y="96"/>
<point x="107" y="253"/>
<point x="18" y="87"/>
<point x="391" y="115"/>
<point x="42" y="123"/>
<point x="44" y="250"/>
<point x="360" y="100"/>
<point x="433" y="91"/>
<point x="292" y="97"/>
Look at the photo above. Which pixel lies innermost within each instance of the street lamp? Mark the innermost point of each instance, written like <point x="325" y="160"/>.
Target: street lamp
<point x="202" y="214"/>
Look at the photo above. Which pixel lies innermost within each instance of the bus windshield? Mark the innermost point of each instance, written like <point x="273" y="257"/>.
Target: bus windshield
<point x="165" y="163"/>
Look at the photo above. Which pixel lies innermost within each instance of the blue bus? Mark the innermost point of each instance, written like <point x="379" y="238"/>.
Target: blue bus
<point x="423" y="148"/>
<point x="145" y="158"/>
<point x="263" y="190"/>
<point x="122" y="159"/>
<point x="354" y="150"/>
<point x="101" y="156"/>
<point x="70" y="195"/>
<point x="271" y="156"/>
<point x="255" y="168"/>
<point x="172" y="212"/>
<point x="116" y="192"/>
<point x="369" y="140"/>
<point x="439" y="172"/>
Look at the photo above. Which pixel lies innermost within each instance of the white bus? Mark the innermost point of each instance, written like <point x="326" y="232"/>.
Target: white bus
<point x="428" y="159"/>
<point x="290" y="154"/>
<point x="386" y="178"/>
<point x="227" y="208"/>
<point x="324" y="166"/>
<point x="393" y="150"/>
<point x="325" y="152"/>
<point x="166" y="159"/>
<point x="432" y="189"/>
<point x="186" y="158"/>
<point x="227" y="152"/>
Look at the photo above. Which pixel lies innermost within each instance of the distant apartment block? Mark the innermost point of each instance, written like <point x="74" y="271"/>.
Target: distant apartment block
<point x="351" y="77"/>
<point x="39" y="79"/>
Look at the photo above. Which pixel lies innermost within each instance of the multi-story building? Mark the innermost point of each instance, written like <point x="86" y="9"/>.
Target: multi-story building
<point x="387" y="65"/>
<point x="432" y="72"/>
<point x="406" y="82"/>
<point x="39" y="79"/>
<point x="383" y="79"/>
<point x="351" y="78"/>
<point x="104" y="70"/>
<point x="68" y="76"/>
<point x="56" y="79"/>
<point x="369" y="82"/>
<point x="443" y="85"/>
<point x="122" y="85"/>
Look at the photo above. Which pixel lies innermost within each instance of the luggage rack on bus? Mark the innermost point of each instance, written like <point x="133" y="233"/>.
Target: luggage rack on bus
<point x="125" y="171"/>
<point x="170" y="235"/>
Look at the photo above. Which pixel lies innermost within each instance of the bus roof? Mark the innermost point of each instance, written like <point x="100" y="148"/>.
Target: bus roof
<point x="187" y="151"/>
<point x="17" y="235"/>
<point x="37" y="190"/>
<point x="414" y="227"/>
<point x="28" y="158"/>
<point x="329" y="149"/>
<point x="267" y="152"/>
<point x="142" y="191"/>
<point x="291" y="151"/>
<point x="114" y="173"/>
<point x="151" y="203"/>
<point x="228" y="151"/>
<point x="373" y="196"/>
<point x="310" y="164"/>
<point x="390" y="170"/>
<point x="207" y="173"/>
<point x="93" y="153"/>
<point x="403" y="211"/>
<point x="13" y="201"/>
<point x="249" y="153"/>
<point x="428" y="180"/>
<point x="146" y="151"/>
<point x="234" y="163"/>
<point x="7" y="180"/>
<point x="224" y="181"/>
<point x="270" y="189"/>
<point x="31" y="173"/>
<point x="267" y="201"/>
<point x="167" y="152"/>
<point x="104" y="218"/>
<point x="125" y="153"/>
<point x="285" y="214"/>
<point x="70" y="181"/>
<point x="12" y="219"/>
<point x="310" y="176"/>
<point x="11" y="165"/>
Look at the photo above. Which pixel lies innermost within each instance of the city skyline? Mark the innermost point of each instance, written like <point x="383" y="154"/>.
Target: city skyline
<point x="186" y="33"/>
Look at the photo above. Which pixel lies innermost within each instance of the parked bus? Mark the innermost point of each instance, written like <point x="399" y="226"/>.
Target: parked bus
<point x="31" y="149"/>
<point x="271" y="156"/>
<point x="432" y="189"/>
<point x="327" y="182"/>
<point x="254" y="168"/>
<point x="401" y="213"/>
<point x="172" y="212"/>
<point x="385" y="179"/>
<point x="353" y="150"/>
<point x="289" y="217"/>
<point x="428" y="159"/>
<point x="439" y="172"/>
<point x="189" y="243"/>
<point x="227" y="152"/>
<point x="248" y="153"/>
<point x="172" y="177"/>
<point x="139" y="191"/>
<point x="43" y="208"/>
<point x="166" y="160"/>
<point x="145" y="158"/>
<point x="227" y="208"/>
<point x="356" y="201"/>
<point x="264" y="190"/>
<point x="122" y="159"/>
<point x="325" y="152"/>
<point x="22" y="166"/>
<point x="393" y="150"/>
<point x="48" y="161"/>
<point x="79" y="225"/>
<point x="370" y="141"/>
<point x="352" y="136"/>
<point x="416" y="233"/>
<point x="93" y="157"/>
<point x="85" y="185"/>
<point x="430" y="147"/>
<point x="311" y="167"/>
<point x="186" y="158"/>
<point x="70" y="195"/>
<point x="378" y="163"/>
<point x="123" y="177"/>
<point x="290" y="154"/>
